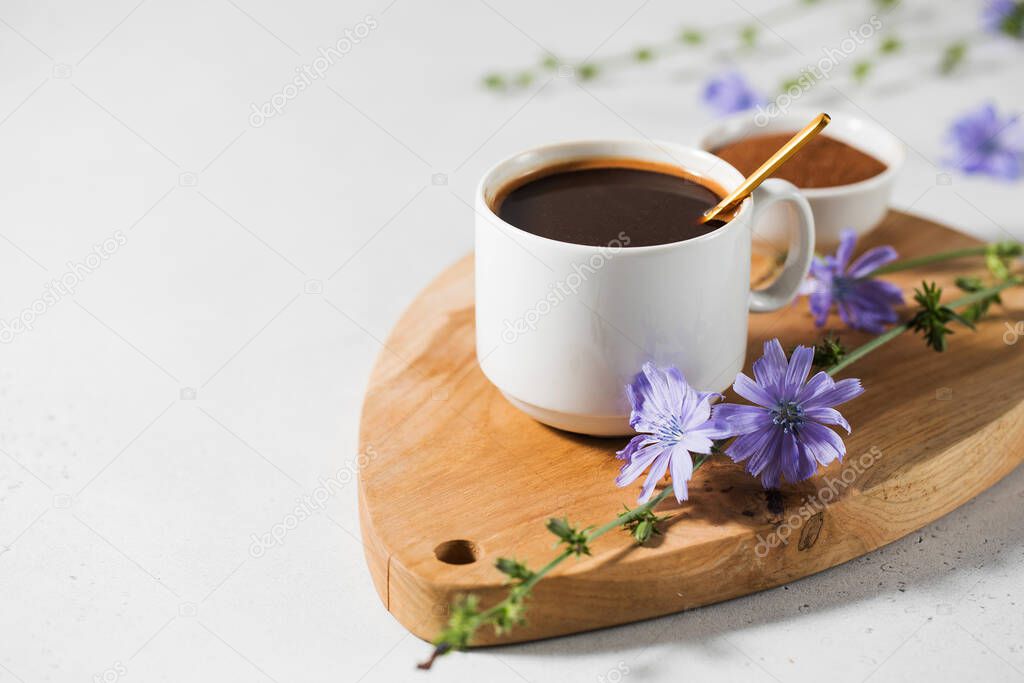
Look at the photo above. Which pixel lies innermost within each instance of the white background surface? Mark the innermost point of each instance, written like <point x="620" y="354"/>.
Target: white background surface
<point x="127" y="511"/>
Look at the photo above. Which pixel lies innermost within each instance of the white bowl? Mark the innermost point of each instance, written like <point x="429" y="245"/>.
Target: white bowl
<point x="860" y="206"/>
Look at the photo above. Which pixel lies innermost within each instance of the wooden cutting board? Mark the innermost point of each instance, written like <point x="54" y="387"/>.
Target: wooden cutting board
<point x="453" y="477"/>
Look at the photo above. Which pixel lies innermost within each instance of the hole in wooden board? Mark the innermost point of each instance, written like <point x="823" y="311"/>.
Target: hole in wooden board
<point x="459" y="551"/>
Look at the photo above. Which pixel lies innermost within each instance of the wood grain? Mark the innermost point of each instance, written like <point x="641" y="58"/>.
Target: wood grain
<point x="446" y="458"/>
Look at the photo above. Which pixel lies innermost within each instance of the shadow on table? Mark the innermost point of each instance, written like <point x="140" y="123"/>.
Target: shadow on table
<point x="944" y="556"/>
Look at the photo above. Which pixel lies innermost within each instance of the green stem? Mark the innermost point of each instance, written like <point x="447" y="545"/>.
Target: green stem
<point x="864" y="349"/>
<point x="888" y="336"/>
<point x="521" y="590"/>
<point x="672" y="45"/>
<point x="975" y="297"/>
<point x="908" y="264"/>
<point x="528" y="585"/>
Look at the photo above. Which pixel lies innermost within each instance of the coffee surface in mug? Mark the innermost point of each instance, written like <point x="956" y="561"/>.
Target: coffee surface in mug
<point x="598" y="201"/>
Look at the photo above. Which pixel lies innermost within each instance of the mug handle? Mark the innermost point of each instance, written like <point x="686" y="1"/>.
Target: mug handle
<point x="801" y="246"/>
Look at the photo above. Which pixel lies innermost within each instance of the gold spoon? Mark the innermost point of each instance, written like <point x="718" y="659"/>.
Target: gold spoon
<point x="769" y="167"/>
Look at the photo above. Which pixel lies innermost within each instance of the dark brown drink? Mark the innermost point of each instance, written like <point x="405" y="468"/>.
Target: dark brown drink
<point x="597" y="201"/>
<point x="824" y="162"/>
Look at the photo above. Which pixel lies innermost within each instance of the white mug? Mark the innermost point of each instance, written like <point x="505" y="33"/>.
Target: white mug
<point x="561" y="328"/>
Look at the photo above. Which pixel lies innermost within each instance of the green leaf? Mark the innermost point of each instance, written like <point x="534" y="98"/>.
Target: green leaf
<point x="1008" y="249"/>
<point x="890" y="44"/>
<point x="999" y="258"/>
<point x="510" y="613"/>
<point x="997" y="266"/>
<point x="691" y="36"/>
<point x="642" y="527"/>
<point x="463" y="622"/>
<point x="495" y="82"/>
<point x="574" y="540"/>
<point x="861" y="70"/>
<point x="560" y="527"/>
<point x="932" y="317"/>
<point x="952" y="56"/>
<point x="1013" y="24"/>
<point x="587" y="72"/>
<point x="828" y="352"/>
<point x="790" y="83"/>
<point x="515" y="570"/>
<point x="978" y="310"/>
<point x="748" y="35"/>
<point x="643" y="54"/>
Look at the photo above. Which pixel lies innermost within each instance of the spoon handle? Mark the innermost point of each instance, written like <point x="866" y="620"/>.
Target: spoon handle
<point x="769" y="167"/>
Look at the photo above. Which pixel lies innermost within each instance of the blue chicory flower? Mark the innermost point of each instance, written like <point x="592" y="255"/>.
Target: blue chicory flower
<point x="1003" y="16"/>
<point x="982" y="142"/>
<point x="784" y="434"/>
<point x="729" y="93"/>
<point x="674" y="420"/>
<point x="863" y="303"/>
